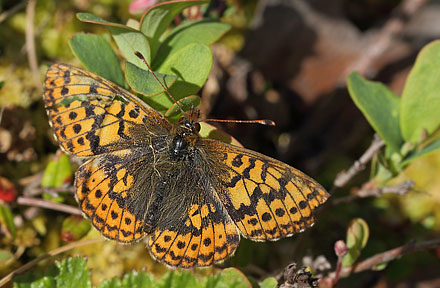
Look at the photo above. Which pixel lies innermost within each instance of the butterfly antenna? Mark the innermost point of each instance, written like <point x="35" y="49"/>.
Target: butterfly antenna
<point x="262" y="122"/>
<point x="140" y="56"/>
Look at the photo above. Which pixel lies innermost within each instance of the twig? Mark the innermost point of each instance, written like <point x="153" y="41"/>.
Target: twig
<point x="385" y="257"/>
<point x="30" y="43"/>
<point x="5" y="15"/>
<point x="49" y="205"/>
<point x="51" y="253"/>
<point x="343" y="177"/>
<point x="394" y="26"/>
<point x="400" y="189"/>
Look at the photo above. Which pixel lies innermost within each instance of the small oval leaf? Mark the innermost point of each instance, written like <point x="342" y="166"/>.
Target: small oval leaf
<point x="144" y="82"/>
<point x="191" y="65"/>
<point x="74" y="228"/>
<point x="204" y="31"/>
<point x="96" y="54"/>
<point x="421" y="95"/>
<point x="58" y="172"/>
<point x="155" y="20"/>
<point x="380" y="106"/>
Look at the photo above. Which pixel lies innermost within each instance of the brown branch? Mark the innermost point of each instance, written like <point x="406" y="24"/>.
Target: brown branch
<point x="400" y="189"/>
<point x="392" y="28"/>
<point x="49" y="205"/>
<point x="359" y="165"/>
<point x="51" y="253"/>
<point x="30" y="44"/>
<point x="385" y="257"/>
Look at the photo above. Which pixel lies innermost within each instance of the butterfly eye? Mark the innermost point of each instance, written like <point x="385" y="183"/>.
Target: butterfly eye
<point x="196" y="127"/>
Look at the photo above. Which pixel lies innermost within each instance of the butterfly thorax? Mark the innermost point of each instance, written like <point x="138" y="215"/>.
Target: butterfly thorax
<point x="185" y="135"/>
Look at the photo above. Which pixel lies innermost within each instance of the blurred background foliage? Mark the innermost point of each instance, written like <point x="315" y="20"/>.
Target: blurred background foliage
<point x="282" y="60"/>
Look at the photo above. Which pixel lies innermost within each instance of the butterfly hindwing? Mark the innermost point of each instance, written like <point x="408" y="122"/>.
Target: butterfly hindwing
<point x="193" y="228"/>
<point x="107" y="192"/>
<point x="266" y="198"/>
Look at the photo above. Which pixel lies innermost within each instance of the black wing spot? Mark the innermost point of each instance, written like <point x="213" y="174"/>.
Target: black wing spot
<point x="64" y="91"/>
<point x="279" y="212"/>
<point x="266" y="217"/>
<point x="114" y="215"/>
<point x="76" y="128"/>
<point x="237" y="162"/>
<point x="207" y="242"/>
<point x="180" y="245"/>
<point x="293" y="210"/>
<point x="72" y="115"/>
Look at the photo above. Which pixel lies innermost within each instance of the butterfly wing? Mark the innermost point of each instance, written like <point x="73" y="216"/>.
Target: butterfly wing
<point x="94" y="118"/>
<point x="266" y="199"/>
<point x="86" y="118"/>
<point x="192" y="227"/>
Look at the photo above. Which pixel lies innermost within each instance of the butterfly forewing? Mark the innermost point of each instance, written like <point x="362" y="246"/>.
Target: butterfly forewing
<point x="267" y="199"/>
<point x="86" y="119"/>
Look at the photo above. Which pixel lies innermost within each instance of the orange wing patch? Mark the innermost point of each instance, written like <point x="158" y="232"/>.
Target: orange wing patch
<point x="266" y="198"/>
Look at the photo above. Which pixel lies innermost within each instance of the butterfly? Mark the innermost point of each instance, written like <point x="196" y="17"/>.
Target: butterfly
<point x="193" y="198"/>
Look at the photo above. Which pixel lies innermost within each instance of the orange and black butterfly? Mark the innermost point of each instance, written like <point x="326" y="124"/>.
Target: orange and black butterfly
<point x="144" y="176"/>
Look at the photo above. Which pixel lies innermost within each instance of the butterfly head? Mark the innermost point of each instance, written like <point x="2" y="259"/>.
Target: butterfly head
<point x="189" y="123"/>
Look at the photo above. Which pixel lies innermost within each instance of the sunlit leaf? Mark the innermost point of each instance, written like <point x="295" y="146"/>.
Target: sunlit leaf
<point x="155" y="20"/>
<point x="144" y="82"/>
<point x="421" y="95"/>
<point x="96" y="54"/>
<point x="380" y="106"/>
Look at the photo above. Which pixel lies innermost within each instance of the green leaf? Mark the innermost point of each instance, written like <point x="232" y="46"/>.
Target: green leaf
<point x="131" y="280"/>
<point x="421" y="95"/>
<point x="174" y="114"/>
<point x="129" y="42"/>
<point x="192" y="65"/>
<point x="144" y="82"/>
<point x="357" y="238"/>
<point x="212" y="132"/>
<point x="155" y="20"/>
<point x="137" y="280"/>
<point x="7" y="220"/>
<point x="1" y="84"/>
<point x="5" y="256"/>
<point x="96" y="54"/>
<point x="128" y="39"/>
<point x="73" y="270"/>
<point x="74" y="228"/>
<point x="36" y="282"/>
<point x="112" y="283"/>
<point x="58" y="172"/>
<point x="432" y="147"/>
<point x="178" y="279"/>
<point x="201" y="31"/>
<point x="232" y="277"/>
<point x="380" y="106"/>
<point x="269" y="283"/>
<point x="70" y="272"/>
